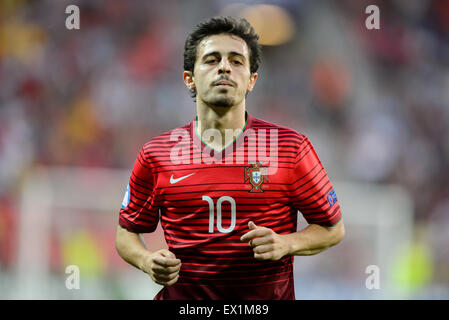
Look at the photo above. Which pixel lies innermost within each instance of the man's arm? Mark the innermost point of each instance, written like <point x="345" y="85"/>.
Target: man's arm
<point x="314" y="239"/>
<point x="161" y="265"/>
<point x="131" y="247"/>
<point x="268" y="245"/>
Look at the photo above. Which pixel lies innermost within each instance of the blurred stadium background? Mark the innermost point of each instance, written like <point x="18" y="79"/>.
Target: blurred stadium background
<point x="76" y="106"/>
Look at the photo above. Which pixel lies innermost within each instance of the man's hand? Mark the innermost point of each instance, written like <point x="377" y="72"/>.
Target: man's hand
<point x="266" y="244"/>
<point x="162" y="266"/>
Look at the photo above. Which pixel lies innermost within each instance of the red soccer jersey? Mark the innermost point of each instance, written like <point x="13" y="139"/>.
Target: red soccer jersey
<point x="204" y="200"/>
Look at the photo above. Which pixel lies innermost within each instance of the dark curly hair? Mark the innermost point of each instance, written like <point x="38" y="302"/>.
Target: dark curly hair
<point x="220" y="25"/>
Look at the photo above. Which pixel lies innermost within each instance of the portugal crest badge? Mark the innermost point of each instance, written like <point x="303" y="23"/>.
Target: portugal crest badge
<point x="256" y="176"/>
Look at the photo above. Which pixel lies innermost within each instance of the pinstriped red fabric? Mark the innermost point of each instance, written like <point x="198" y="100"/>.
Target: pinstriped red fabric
<point x="204" y="200"/>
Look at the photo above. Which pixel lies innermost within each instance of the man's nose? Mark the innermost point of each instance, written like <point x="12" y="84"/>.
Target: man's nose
<point x="224" y="66"/>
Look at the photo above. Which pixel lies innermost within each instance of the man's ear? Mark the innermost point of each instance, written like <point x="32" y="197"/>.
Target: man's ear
<point x="187" y="76"/>
<point x="252" y="81"/>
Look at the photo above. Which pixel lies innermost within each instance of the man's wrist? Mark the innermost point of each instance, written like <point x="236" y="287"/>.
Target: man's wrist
<point x="142" y="261"/>
<point x="292" y="243"/>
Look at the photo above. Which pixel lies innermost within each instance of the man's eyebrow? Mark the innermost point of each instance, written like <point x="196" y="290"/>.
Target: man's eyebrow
<point x="213" y="53"/>
<point x="216" y="53"/>
<point x="234" y="53"/>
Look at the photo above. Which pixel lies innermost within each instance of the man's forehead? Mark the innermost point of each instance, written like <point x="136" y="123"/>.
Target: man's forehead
<point x="223" y="43"/>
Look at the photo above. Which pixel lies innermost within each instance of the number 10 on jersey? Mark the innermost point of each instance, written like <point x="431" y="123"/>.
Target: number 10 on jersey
<point x="212" y="213"/>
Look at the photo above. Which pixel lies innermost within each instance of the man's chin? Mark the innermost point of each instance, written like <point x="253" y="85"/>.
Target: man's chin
<point x="224" y="102"/>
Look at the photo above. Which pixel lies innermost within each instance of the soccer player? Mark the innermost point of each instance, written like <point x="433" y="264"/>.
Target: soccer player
<point x="227" y="186"/>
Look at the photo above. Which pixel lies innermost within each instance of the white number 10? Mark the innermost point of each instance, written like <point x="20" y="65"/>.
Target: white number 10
<point x="211" y="213"/>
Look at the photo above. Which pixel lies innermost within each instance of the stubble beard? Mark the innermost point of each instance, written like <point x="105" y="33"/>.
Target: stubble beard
<point x="222" y="99"/>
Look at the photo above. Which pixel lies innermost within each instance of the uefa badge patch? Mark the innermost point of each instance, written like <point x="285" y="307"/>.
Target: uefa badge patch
<point x="332" y="197"/>
<point x="126" y="198"/>
<point x="256" y="176"/>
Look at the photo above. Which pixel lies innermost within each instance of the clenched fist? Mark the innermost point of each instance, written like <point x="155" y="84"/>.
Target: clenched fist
<point x="162" y="266"/>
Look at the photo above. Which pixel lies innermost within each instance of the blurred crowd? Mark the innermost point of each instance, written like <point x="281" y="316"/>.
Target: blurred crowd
<point x="375" y="102"/>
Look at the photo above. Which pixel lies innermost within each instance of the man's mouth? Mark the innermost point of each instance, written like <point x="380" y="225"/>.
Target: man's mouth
<point x="223" y="83"/>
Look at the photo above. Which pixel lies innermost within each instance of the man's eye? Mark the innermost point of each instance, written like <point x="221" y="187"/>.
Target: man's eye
<point x="211" y="61"/>
<point x="237" y="62"/>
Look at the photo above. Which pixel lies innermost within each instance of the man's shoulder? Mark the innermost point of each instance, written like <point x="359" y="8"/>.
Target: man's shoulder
<point x="168" y="138"/>
<point x="283" y="132"/>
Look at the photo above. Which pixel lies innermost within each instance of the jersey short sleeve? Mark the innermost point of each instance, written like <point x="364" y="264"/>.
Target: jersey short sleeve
<point x="312" y="192"/>
<point x="138" y="212"/>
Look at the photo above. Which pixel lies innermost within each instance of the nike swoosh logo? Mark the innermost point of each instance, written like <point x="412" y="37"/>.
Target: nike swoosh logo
<point x="172" y="181"/>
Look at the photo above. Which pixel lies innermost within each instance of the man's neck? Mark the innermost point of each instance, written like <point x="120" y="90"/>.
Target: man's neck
<point x="220" y="119"/>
